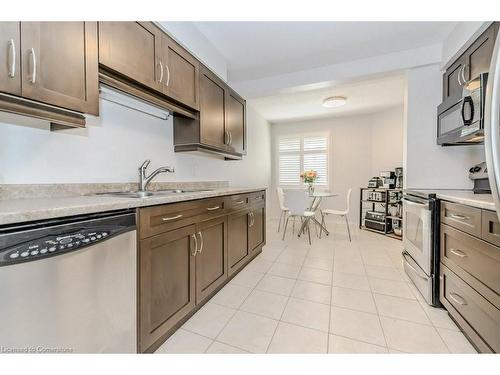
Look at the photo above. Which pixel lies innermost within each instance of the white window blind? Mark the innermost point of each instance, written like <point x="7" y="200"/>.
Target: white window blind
<point x="300" y="153"/>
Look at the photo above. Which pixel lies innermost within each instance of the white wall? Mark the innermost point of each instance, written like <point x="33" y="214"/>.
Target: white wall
<point x="112" y="147"/>
<point x="355" y="155"/>
<point x="387" y="140"/>
<point x="426" y="164"/>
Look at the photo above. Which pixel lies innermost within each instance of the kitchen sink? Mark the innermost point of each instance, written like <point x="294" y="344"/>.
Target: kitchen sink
<point x="146" y="194"/>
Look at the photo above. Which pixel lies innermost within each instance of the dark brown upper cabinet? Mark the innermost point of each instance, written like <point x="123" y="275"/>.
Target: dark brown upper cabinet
<point x="474" y="61"/>
<point x="211" y="258"/>
<point x="181" y="75"/>
<point x="236" y="122"/>
<point x="54" y="66"/>
<point x="133" y="50"/>
<point x="212" y="111"/>
<point x="10" y="57"/>
<point x="221" y="125"/>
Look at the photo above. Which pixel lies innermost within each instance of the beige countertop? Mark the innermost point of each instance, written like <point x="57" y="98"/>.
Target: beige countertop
<point x="466" y="197"/>
<point x="24" y="210"/>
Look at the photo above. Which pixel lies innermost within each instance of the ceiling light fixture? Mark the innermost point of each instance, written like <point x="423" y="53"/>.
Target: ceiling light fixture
<point x="334" y="101"/>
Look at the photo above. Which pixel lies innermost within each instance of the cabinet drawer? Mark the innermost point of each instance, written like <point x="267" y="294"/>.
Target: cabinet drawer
<point x="257" y="199"/>
<point x="484" y="318"/>
<point x="159" y="219"/>
<point x="238" y="202"/>
<point x="490" y="227"/>
<point x="480" y="259"/>
<point x="465" y="218"/>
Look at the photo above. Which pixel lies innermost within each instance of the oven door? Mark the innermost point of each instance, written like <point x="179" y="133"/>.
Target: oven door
<point x="417" y="232"/>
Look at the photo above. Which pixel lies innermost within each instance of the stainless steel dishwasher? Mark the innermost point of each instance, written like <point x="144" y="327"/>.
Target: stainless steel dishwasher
<point x="69" y="285"/>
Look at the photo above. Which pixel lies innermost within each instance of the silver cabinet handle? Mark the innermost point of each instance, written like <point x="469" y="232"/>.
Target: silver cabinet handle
<point x="32" y="79"/>
<point x="12" y="58"/>
<point x="459" y="217"/>
<point x="458" y="299"/>
<point x="201" y="243"/>
<point x="459" y="76"/>
<point x="240" y="202"/>
<point x="462" y="72"/>
<point x="458" y="253"/>
<point x="195" y="244"/>
<point x="168" y="74"/>
<point x="226" y="137"/>
<point x="213" y="208"/>
<point x="252" y="219"/>
<point x="161" y="71"/>
<point x="249" y="219"/>
<point x="172" y="217"/>
<point x="230" y="138"/>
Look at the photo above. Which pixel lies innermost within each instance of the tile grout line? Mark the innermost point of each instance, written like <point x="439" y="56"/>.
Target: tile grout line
<point x="236" y="311"/>
<point x="286" y="305"/>
<point x="376" y="307"/>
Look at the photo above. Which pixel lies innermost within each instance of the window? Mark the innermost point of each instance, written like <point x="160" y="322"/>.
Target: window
<point x="301" y="153"/>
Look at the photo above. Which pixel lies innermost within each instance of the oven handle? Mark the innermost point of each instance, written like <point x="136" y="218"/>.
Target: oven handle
<point x="491" y="132"/>
<point x="413" y="268"/>
<point x="415" y="204"/>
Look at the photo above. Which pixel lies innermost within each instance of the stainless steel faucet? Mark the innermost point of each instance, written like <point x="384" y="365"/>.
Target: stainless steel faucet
<point x="145" y="180"/>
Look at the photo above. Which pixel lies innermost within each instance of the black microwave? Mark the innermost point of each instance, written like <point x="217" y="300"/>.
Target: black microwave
<point x="462" y="122"/>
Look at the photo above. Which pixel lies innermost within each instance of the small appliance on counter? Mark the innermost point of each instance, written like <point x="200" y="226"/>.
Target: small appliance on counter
<point x="375" y="182"/>
<point x="399" y="177"/>
<point x="376" y="220"/>
<point x="376" y="196"/>
<point x="479" y="174"/>
<point x="388" y="179"/>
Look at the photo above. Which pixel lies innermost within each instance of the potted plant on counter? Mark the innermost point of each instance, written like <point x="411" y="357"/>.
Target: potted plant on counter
<point x="309" y="177"/>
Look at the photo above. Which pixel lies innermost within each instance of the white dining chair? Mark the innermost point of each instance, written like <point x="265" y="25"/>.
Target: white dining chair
<point x="341" y="213"/>
<point x="298" y="203"/>
<point x="284" y="210"/>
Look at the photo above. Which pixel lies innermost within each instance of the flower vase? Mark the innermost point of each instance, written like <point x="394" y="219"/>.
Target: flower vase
<point x="311" y="189"/>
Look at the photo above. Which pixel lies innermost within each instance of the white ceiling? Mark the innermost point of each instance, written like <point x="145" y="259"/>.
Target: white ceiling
<point x="362" y="97"/>
<point x="256" y="50"/>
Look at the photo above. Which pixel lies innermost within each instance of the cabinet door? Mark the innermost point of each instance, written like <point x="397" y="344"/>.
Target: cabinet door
<point x="453" y="81"/>
<point x="478" y="55"/>
<point x="10" y="58"/>
<point x="256" y="228"/>
<point x="166" y="283"/>
<point x="211" y="259"/>
<point x="133" y="49"/>
<point x="236" y="122"/>
<point x="237" y="240"/>
<point x="59" y="64"/>
<point x="212" y="110"/>
<point x="182" y="76"/>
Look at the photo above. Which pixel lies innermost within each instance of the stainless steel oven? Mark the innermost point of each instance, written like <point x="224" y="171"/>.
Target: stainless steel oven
<point x="462" y="122"/>
<point x="420" y="243"/>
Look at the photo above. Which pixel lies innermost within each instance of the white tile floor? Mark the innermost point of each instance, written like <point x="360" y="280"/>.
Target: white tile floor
<point x="331" y="297"/>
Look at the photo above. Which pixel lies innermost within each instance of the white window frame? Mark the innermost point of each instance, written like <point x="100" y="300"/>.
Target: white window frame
<point x="301" y="152"/>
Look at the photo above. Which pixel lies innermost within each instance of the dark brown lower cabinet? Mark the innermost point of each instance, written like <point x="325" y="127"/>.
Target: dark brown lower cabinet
<point x="238" y="223"/>
<point x="166" y="283"/>
<point x="211" y="257"/>
<point x="256" y="229"/>
<point x="181" y="267"/>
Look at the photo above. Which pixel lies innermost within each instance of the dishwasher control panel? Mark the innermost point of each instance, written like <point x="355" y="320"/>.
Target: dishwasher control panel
<point x="29" y="242"/>
<point x="36" y="248"/>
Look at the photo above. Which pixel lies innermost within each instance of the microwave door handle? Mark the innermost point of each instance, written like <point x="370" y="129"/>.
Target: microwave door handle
<point x="467" y="100"/>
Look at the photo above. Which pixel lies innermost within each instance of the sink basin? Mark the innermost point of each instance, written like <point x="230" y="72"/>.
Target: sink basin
<point x="127" y="194"/>
<point x="145" y="194"/>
